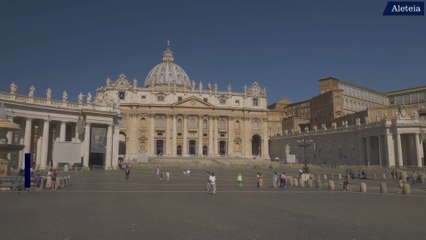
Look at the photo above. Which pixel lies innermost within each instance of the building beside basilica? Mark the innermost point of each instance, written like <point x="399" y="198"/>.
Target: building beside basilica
<point x="169" y="116"/>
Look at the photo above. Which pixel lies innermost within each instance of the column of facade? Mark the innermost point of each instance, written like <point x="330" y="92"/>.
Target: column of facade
<point x="390" y="149"/>
<point x="76" y="135"/>
<point x="399" y="158"/>
<point x="185" y="136"/>
<point x="245" y="137"/>
<point x="168" y="140"/>
<point x="210" y="134"/>
<point x="115" y="146"/>
<point x="62" y="131"/>
<point x="174" y="145"/>
<point x="419" y="150"/>
<point x="131" y="144"/>
<point x="265" y="147"/>
<point x="108" y="152"/>
<point x="45" y="146"/>
<point x="152" y="135"/>
<point x="200" y="136"/>
<point x="27" y="141"/>
<point x="231" y="137"/>
<point x="86" y="145"/>
<point x="216" y="139"/>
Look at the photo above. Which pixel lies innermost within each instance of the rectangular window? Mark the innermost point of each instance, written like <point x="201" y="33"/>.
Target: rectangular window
<point x="143" y="97"/>
<point x="255" y="102"/>
<point x="179" y="99"/>
<point x="237" y="102"/>
<point x="205" y="100"/>
<point x="222" y="101"/>
<point x="160" y="98"/>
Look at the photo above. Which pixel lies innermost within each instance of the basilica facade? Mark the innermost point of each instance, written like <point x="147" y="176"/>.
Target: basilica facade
<point x="172" y="116"/>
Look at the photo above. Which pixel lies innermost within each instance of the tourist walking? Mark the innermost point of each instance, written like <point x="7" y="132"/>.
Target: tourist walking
<point x="49" y="179"/>
<point x="167" y="175"/>
<point x="240" y="180"/>
<point x="54" y="175"/>
<point x="208" y="182"/>
<point x="283" y="180"/>
<point x="275" y="179"/>
<point x="212" y="180"/>
<point x="127" y="171"/>
<point x="259" y="180"/>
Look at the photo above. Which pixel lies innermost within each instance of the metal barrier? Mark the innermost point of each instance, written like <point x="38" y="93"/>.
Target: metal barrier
<point x="13" y="183"/>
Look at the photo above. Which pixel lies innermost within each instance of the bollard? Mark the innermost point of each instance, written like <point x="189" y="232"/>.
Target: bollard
<point x="406" y="189"/>
<point x="362" y="187"/>
<point x="325" y="176"/>
<point x="296" y="182"/>
<point x="384" y="176"/>
<point x="301" y="182"/>
<point x="422" y="178"/>
<point x="340" y="176"/>
<point x="310" y="183"/>
<point x="331" y="185"/>
<point x="383" y="187"/>
<point x="318" y="183"/>
<point x="289" y="181"/>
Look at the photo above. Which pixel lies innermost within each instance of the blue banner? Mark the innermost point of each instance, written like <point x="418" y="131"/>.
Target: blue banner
<point x="27" y="170"/>
<point x="404" y="9"/>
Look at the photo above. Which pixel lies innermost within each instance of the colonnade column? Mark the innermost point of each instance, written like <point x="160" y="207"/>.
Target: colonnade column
<point x="368" y="148"/>
<point x="185" y="136"/>
<point x="152" y="136"/>
<point x="62" y="132"/>
<point x="230" y="137"/>
<point x="45" y="145"/>
<point x="86" y="145"/>
<point x="210" y="145"/>
<point x="9" y="137"/>
<point x="390" y="149"/>
<point x="168" y="142"/>
<point x="174" y="147"/>
<point x="38" y="152"/>
<point x="379" y="148"/>
<point x="215" y="134"/>
<point x="200" y="135"/>
<point x="419" y="150"/>
<point x="27" y="141"/>
<point x="76" y="133"/>
<point x="108" y="151"/>
<point x="399" y="150"/>
<point x="115" y="146"/>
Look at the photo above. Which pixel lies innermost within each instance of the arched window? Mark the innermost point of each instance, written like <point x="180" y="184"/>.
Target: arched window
<point x="255" y="124"/>
<point x="222" y="124"/>
<point x="192" y="122"/>
<point x="179" y="123"/>
<point x="205" y="126"/>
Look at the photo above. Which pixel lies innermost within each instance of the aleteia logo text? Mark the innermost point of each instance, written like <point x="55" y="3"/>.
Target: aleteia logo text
<point x="404" y="8"/>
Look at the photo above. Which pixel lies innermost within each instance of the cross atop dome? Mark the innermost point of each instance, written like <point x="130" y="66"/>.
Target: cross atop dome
<point x="168" y="55"/>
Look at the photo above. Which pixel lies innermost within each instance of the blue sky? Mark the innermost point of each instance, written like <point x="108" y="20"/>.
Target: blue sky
<point x="287" y="46"/>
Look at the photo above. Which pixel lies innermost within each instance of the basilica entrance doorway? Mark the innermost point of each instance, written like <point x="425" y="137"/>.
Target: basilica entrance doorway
<point x="205" y="150"/>
<point x="160" y="147"/>
<point x="222" y="147"/>
<point x="256" y="149"/>
<point x="192" y="147"/>
<point x="179" y="150"/>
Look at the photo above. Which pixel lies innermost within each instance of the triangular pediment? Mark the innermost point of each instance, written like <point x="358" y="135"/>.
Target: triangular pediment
<point x="192" y="102"/>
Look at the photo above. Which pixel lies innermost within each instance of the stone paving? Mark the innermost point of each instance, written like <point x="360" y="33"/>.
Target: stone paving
<point x="103" y="205"/>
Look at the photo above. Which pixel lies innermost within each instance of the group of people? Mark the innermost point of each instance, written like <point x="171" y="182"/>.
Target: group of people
<point x="50" y="178"/>
<point x="279" y="180"/>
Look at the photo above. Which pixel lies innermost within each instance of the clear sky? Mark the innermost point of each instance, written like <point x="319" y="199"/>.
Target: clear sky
<point x="287" y="46"/>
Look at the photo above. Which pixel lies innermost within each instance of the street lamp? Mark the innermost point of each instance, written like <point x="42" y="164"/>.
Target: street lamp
<point x="305" y="143"/>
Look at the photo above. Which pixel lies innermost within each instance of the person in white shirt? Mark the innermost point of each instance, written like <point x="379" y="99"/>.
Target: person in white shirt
<point x="212" y="180"/>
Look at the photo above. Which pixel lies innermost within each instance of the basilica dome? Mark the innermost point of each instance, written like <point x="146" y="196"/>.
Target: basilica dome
<point x="167" y="73"/>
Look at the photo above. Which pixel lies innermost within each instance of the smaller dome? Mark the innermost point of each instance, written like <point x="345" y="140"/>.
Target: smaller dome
<point x="167" y="72"/>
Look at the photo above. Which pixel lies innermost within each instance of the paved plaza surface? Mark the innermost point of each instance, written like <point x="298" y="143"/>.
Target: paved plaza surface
<point x="104" y="205"/>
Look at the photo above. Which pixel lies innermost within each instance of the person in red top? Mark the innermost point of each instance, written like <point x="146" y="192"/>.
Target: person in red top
<point x="259" y="180"/>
